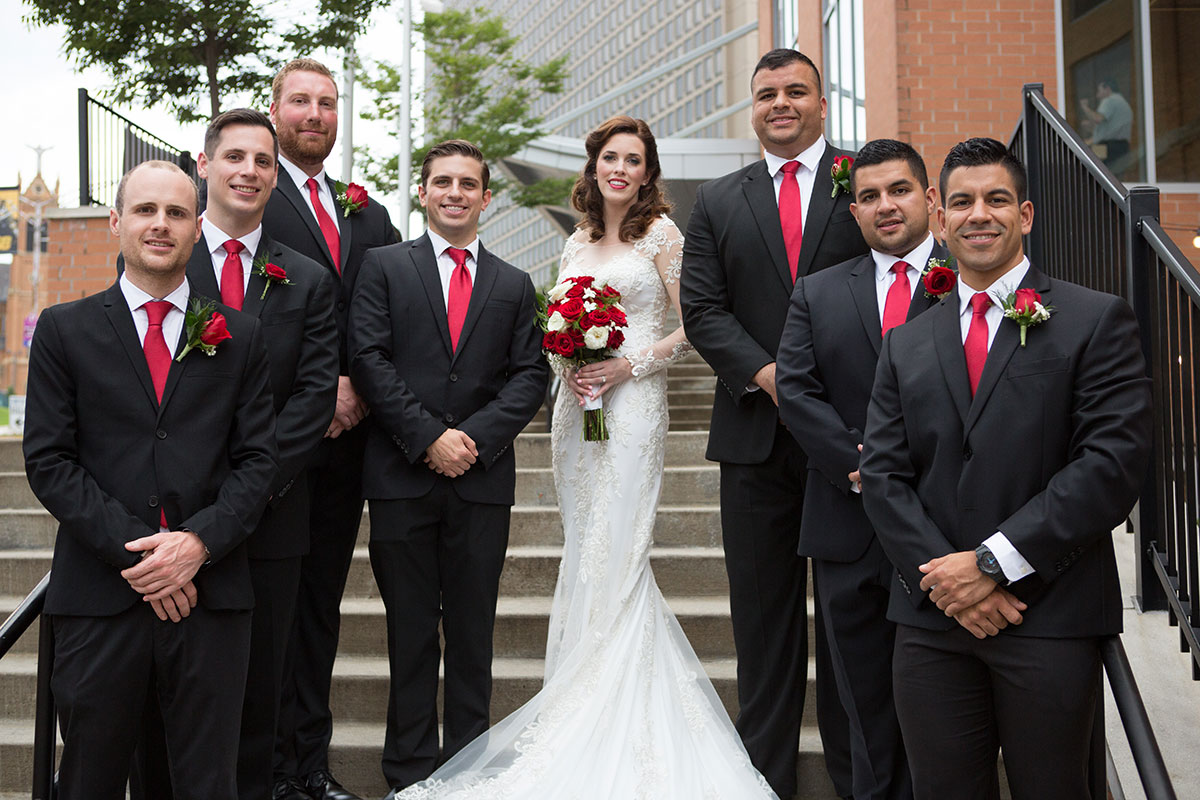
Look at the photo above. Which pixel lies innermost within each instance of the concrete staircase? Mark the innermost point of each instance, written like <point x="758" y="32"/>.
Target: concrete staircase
<point x="687" y="559"/>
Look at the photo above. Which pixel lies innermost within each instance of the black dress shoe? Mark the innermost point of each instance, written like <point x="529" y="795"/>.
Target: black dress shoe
<point x="322" y="786"/>
<point x="290" y="789"/>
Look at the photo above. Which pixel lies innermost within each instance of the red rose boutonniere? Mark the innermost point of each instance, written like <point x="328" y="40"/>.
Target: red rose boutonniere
<point x="939" y="277"/>
<point x="841" y="174"/>
<point x="1024" y="307"/>
<point x="271" y="274"/>
<point x="351" y="197"/>
<point x="205" y="328"/>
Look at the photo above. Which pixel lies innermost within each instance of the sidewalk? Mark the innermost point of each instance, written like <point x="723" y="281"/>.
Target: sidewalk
<point x="1164" y="677"/>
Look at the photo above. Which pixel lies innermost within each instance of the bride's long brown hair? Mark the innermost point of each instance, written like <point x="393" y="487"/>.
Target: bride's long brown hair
<point x="651" y="202"/>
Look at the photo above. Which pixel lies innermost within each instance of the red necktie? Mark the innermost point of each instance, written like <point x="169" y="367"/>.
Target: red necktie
<point x="976" y="344"/>
<point x="791" y="217"/>
<point x="459" y="295"/>
<point x="158" y="356"/>
<point x="895" y="308"/>
<point x="329" y="228"/>
<point x="233" y="292"/>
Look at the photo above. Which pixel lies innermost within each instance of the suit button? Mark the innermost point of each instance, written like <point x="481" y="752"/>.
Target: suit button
<point x="153" y="501"/>
<point x="448" y="418"/>
<point x="967" y="453"/>
<point x="453" y="378"/>
<point x="341" y="306"/>
<point x="161" y="434"/>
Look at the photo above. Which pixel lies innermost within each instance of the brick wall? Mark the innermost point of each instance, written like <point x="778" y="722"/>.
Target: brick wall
<point x="1184" y="210"/>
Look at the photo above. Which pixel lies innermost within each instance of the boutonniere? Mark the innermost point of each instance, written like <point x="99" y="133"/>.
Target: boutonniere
<point x="205" y="328"/>
<point x="271" y="274"/>
<point x="939" y="277"/>
<point x="840" y="172"/>
<point x="351" y="197"/>
<point x="1025" y="308"/>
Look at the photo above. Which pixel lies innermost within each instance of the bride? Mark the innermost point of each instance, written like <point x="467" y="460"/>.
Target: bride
<point x="626" y="710"/>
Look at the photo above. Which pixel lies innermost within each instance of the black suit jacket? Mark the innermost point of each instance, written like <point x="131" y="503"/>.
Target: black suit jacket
<point x="301" y="338"/>
<point x="289" y="222"/>
<point x="417" y="387"/>
<point x="103" y="456"/>
<point x="736" y="286"/>
<point x="1051" y="452"/>
<point x="824" y="374"/>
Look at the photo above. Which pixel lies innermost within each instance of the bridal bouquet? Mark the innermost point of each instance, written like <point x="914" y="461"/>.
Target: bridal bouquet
<point x="582" y="322"/>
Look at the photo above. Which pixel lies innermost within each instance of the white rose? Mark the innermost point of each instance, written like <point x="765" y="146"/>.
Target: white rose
<point x="556" y="322"/>
<point x="595" y="338"/>
<point x="558" y="292"/>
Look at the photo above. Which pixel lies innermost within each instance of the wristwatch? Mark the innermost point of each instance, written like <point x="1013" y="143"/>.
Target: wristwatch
<point x="985" y="559"/>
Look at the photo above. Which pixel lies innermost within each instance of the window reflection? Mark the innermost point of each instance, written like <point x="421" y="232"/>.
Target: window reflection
<point x="1174" y="26"/>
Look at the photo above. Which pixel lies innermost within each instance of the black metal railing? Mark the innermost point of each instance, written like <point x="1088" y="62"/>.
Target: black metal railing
<point x="110" y="145"/>
<point x="44" y="725"/>
<point x="1091" y="229"/>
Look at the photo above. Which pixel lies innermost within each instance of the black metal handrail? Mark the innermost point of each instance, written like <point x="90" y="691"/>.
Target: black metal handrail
<point x="1091" y="229"/>
<point x="44" y="725"/>
<point x="110" y="145"/>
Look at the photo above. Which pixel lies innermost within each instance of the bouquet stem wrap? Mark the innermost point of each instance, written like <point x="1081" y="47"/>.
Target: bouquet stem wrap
<point x="594" y="429"/>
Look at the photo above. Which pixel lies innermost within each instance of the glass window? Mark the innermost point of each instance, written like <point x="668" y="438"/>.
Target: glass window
<point x="787" y="23"/>
<point x="845" y="79"/>
<point x="1173" y="24"/>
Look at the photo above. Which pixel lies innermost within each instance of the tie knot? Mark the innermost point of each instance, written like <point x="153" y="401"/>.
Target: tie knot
<point x="980" y="302"/>
<point x="311" y="183"/>
<point x="156" y="310"/>
<point x="233" y="247"/>
<point x="900" y="267"/>
<point x="791" y="167"/>
<point x="459" y="256"/>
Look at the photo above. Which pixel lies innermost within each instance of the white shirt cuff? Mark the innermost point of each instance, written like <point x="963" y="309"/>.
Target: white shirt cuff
<point x="1012" y="563"/>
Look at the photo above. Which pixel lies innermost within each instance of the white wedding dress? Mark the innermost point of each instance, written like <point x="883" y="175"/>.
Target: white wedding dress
<point x="626" y="711"/>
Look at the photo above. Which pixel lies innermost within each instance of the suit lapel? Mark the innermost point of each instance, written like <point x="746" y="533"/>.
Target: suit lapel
<point x="862" y="288"/>
<point x="255" y="302"/>
<point x="178" y="367"/>
<point x="119" y="316"/>
<point x="947" y="339"/>
<point x="345" y="226"/>
<point x="1008" y="337"/>
<point x="922" y="302"/>
<point x="820" y="206"/>
<point x="759" y="189"/>
<point x="289" y="190"/>
<point x="201" y="276"/>
<point x="425" y="263"/>
<point x="481" y="289"/>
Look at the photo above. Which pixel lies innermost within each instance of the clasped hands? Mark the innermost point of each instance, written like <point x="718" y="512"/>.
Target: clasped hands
<point x="164" y="575"/>
<point x="593" y="380"/>
<point x="974" y="600"/>
<point x="348" y="411"/>
<point x="452" y="453"/>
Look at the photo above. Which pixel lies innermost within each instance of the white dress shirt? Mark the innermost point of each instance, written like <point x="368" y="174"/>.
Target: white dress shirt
<point x="300" y="178"/>
<point x="216" y="239"/>
<point x="1011" y="561"/>
<point x="916" y="259"/>
<point x="806" y="176"/>
<point x="445" y="262"/>
<point x="172" y="325"/>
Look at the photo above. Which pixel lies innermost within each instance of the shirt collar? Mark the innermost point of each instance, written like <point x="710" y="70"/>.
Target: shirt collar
<point x="809" y="158"/>
<point x="1002" y="287"/>
<point x="136" y="297"/>
<point x="916" y="258"/>
<point x="300" y="177"/>
<point x="440" y="245"/>
<point x="216" y="238"/>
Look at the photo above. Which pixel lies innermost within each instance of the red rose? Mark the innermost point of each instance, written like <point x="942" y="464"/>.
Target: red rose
<point x="615" y="339"/>
<point x="1025" y="299"/>
<point x="618" y="317"/>
<point x="939" y="280"/>
<point x="575" y="291"/>
<point x="548" y="341"/>
<point x="576" y="336"/>
<point x="583" y="280"/>
<point x="356" y="195"/>
<point x="601" y="316"/>
<point x="842" y="162"/>
<point x="215" y="331"/>
<point x="585" y="322"/>
<point x="610" y="292"/>
<point x="564" y="344"/>
<point x="275" y="272"/>
<point x="571" y="309"/>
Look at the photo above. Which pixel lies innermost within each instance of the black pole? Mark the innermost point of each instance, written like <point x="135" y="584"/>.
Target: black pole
<point x="85" y="188"/>
<point x="1033" y="167"/>
<point x="1150" y="765"/>
<point x="44" y="726"/>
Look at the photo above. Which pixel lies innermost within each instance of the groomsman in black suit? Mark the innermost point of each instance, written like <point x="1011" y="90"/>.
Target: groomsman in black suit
<point x="304" y="214"/>
<point x="157" y="462"/>
<point x="998" y="458"/>
<point x="447" y="352"/>
<point x="751" y="234"/>
<point x="827" y="357"/>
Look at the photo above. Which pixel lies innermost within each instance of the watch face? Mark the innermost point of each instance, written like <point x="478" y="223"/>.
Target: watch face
<point x="989" y="563"/>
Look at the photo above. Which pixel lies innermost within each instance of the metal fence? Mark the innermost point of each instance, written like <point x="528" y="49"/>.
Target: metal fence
<point x="110" y="145"/>
<point x="1091" y="229"/>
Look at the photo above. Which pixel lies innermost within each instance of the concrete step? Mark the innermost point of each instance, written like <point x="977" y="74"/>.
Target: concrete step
<point x="15" y="491"/>
<point x="11" y="458"/>
<point x="684" y="449"/>
<point x="681" y="485"/>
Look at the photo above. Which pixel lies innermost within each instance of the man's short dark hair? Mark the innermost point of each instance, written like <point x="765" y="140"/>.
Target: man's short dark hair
<point x="237" y="116"/>
<point x="879" y="151"/>
<point x="781" y="57"/>
<point x="1111" y="84"/>
<point x="454" y="147"/>
<point x="983" y="152"/>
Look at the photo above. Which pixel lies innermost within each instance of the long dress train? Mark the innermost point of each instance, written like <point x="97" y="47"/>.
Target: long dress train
<point x="626" y="710"/>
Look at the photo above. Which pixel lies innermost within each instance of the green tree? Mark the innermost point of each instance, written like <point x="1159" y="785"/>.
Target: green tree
<point x="186" y="55"/>
<point x="477" y="90"/>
